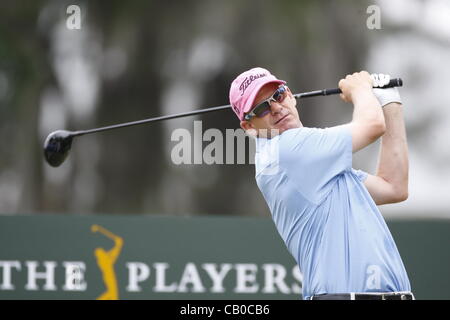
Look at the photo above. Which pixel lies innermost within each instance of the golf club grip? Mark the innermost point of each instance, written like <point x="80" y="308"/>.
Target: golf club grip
<point x="397" y="82"/>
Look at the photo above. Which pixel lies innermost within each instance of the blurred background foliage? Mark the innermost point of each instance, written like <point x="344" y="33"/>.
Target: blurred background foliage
<point x="138" y="59"/>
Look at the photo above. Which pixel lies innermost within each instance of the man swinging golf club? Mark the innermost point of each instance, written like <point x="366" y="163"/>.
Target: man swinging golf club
<point x="326" y="211"/>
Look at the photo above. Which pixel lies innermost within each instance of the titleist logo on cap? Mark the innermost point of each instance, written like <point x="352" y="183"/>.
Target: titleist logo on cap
<point x="248" y="80"/>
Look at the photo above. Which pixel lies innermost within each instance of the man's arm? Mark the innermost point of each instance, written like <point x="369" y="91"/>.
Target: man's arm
<point x="390" y="183"/>
<point x="368" y="122"/>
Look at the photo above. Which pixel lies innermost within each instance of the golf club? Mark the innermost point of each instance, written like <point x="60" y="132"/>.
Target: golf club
<point x="58" y="143"/>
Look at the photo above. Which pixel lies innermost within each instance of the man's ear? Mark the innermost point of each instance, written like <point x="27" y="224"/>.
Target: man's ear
<point x="249" y="128"/>
<point x="290" y="94"/>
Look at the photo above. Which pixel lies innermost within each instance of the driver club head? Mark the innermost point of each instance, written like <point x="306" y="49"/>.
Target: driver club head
<point x="57" y="147"/>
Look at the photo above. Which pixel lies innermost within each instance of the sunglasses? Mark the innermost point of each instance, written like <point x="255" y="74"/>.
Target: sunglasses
<point x="264" y="107"/>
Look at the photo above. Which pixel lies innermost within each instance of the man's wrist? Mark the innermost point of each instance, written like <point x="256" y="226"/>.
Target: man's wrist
<point x="362" y="94"/>
<point x="392" y="106"/>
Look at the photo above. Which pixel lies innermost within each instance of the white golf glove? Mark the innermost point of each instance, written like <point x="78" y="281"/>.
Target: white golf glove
<point x="384" y="96"/>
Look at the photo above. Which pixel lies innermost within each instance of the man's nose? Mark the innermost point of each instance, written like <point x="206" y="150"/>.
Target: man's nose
<point x="275" y="107"/>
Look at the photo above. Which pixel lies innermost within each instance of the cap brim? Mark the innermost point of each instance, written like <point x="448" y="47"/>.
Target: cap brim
<point x="251" y="99"/>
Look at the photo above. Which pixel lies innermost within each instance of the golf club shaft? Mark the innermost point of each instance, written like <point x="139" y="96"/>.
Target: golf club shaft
<point x="325" y="92"/>
<point x="155" y="119"/>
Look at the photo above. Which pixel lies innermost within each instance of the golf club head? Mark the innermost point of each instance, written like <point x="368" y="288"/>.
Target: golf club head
<point x="57" y="147"/>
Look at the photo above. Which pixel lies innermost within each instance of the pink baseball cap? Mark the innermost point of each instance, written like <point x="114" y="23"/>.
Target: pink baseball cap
<point x="246" y="86"/>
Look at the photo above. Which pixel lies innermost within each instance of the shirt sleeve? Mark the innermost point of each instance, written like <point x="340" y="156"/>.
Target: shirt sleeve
<point x="315" y="158"/>
<point x="361" y="175"/>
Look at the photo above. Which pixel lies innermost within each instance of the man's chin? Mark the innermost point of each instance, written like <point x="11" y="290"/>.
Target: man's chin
<point x="287" y="126"/>
<point x="275" y="131"/>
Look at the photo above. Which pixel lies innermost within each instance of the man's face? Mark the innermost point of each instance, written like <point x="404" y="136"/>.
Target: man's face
<point x="282" y="116"/>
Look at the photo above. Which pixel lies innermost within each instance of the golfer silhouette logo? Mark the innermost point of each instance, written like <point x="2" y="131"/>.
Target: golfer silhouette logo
<point x="106" y="260"/>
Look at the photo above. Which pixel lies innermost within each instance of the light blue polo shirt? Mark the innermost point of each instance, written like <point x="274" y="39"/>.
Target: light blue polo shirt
<point x="325" y="215"/>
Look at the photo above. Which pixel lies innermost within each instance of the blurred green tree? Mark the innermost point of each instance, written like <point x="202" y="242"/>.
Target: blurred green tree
<point x="139" y="59"/>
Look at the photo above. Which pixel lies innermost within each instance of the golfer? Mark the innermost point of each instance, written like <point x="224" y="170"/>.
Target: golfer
<point x="326" y="211"/>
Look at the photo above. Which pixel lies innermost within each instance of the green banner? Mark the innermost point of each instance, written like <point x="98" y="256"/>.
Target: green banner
<point x="151" y="257"/>
<point x="144" y="257"/>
